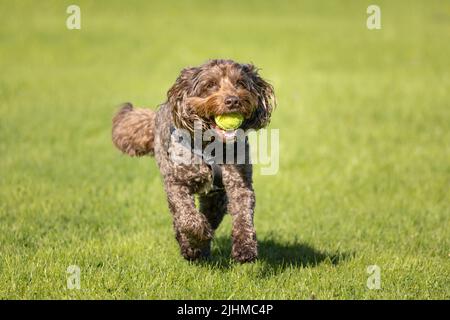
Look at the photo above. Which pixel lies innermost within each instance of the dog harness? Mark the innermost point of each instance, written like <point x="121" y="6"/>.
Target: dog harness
<point x="216" y="170"/>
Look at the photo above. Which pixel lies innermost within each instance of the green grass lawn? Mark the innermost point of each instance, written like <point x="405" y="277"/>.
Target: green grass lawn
<point x="364" y="175"/>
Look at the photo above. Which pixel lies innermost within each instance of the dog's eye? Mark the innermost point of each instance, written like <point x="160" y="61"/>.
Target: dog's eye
<point x="240" y="84"/>
<point x="211" y="85"/>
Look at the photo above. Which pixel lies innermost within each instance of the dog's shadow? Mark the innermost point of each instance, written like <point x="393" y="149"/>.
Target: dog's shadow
<point x="276" y="255"/>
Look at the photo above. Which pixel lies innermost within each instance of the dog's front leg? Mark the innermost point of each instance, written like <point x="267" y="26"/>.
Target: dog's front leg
<point x="192" y="229"/>
<point x="241" y="205"/>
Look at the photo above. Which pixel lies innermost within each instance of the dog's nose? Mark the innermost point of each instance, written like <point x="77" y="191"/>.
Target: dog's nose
<point x="232" y="101"/>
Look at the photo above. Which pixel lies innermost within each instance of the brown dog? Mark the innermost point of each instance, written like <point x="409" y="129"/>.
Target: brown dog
<point x="199" y="94"/>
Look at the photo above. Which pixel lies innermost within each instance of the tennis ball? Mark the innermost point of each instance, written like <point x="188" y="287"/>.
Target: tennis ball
<point x="229" y="121"/>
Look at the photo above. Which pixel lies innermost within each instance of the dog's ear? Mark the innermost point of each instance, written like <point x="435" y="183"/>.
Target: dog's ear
<point x="177" y="94"/>
<point x="265" y="96"/>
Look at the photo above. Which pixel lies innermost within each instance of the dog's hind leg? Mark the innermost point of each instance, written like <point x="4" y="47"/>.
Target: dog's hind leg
<point x="192" y="228"/>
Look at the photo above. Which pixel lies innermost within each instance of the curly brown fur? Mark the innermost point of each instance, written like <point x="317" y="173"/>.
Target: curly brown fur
<point x="201" y="93"/>
<point x="133" y="130"/>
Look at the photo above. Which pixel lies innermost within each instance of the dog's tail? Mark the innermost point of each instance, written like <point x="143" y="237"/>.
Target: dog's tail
<point x="133" y="130"/>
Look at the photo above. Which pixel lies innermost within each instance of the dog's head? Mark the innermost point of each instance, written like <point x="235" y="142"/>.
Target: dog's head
<point x="219" y="87"/>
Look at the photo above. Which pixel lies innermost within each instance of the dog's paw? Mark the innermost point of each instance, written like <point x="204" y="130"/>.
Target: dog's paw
<point x="192" y="254"/>
<point x="196" y="228"/>
<point x="243" y="254"/>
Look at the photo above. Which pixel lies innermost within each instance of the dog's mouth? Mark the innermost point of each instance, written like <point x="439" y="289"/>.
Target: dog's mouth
<point x="223" y="132"/>
<point x="224" y="135"/>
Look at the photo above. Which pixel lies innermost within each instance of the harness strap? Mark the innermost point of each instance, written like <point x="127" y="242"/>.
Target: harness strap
<point x="217" y="181"/>
<point x="216" y="170"/>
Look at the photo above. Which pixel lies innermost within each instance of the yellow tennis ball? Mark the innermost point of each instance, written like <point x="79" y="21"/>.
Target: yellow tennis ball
<point x="229" y="121"/>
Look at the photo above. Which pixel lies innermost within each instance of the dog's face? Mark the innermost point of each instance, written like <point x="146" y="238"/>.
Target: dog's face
<point x="219" y="87"/>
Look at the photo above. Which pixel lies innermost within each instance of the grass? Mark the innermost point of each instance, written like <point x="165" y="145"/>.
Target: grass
<point x="364" y="174"/>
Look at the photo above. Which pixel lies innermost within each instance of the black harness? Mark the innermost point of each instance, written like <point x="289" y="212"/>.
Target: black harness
<point x="216" y="170"/>
<point x="217" y="182"/>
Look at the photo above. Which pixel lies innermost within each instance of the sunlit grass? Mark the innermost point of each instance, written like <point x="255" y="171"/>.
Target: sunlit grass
<point x="364" y="174"/>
